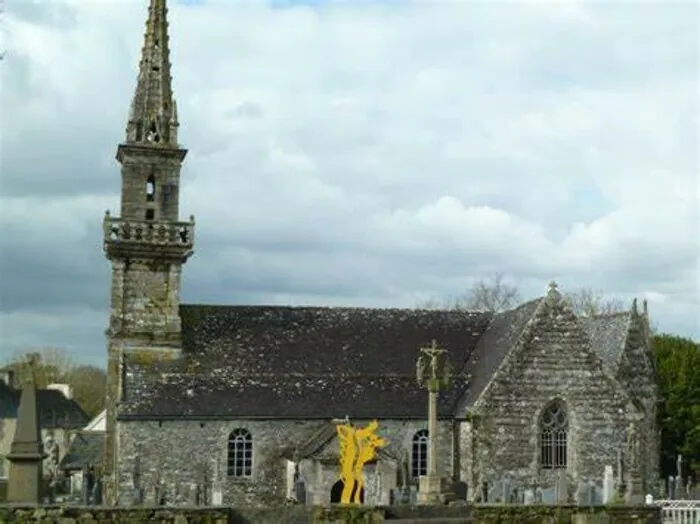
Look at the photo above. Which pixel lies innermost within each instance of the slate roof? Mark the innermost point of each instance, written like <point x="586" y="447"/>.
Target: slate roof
<point x="55" y="410"/>
<point x="303" y="362"/>
<point x="608" y="334"/>
<point x="86" y="449"/>
<point x="493" y="347"/>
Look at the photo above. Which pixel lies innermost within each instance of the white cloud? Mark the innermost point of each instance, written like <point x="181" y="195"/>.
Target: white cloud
<point x="364" y="153"/>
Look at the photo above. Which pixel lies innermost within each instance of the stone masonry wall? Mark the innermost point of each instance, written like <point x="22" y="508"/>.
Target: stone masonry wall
<point x="553" y="360"/>
<point x="176" y="453"/>
<point x="637" y="373"/>
<point x="478" y="514"/>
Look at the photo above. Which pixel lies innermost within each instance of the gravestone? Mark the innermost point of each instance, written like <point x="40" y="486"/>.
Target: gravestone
<point x="217" y="496"/>
<point x="549" y="496"/>
<point x="484" y="491"/>
<point x="583" y="494"/>
<point x="461" y="490"/>
<point x="596" y="495"/>
<point x="671" y="487"/>
<point x="505" y="489"/>
<point x="539" y="495"/>
<point x="608" y="485"/>
<point x="561" y="488"/>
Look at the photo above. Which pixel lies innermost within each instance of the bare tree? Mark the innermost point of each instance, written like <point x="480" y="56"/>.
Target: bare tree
<point x="490" y="294"/>
<point x="587" y="302"/>
<point x="47" y="366"/>
<point x="54" y="366"/>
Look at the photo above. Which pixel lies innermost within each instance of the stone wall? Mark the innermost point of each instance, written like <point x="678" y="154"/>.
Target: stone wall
<point x="177" y="453"/>
<point x="479" y="514"/>
<point x="553" y="360"/>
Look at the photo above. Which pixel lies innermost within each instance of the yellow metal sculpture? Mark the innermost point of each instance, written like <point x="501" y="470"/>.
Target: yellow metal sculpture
<point x="357" y="447"/>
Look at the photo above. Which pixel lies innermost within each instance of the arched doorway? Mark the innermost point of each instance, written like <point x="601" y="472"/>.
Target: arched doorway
<point x="337" y="492"/>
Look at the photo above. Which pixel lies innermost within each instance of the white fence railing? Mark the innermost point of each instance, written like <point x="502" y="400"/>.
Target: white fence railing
<point x="678" y="511"/>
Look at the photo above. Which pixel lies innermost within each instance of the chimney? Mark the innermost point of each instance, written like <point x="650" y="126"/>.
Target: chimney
<point x="66" y="389"/>
<point x="8" y="377"/>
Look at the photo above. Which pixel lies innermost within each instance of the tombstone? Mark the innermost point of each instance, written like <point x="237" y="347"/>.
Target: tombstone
<point x="561" y="488"/>
<point x="461" y="490"/>
<point x="608" y="485"/>
<point x="505" y="489"/>
<point x="300" y="492"/>
<point x="671" y="488"/>
<point x="217" y="496"/>
<point x="484" y="491"/>
<point x="549" y="496"/>
<point x="583" y="494"/>
<point x="593" y="494"/>
<point x="528" y="496"/>
<point x="539" y="495"/>
<point x="678" y="487"/>
<point x="97" y="492"/>
<point x="514" y="496"/>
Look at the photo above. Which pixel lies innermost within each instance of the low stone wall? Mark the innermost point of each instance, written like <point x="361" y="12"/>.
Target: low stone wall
<point x="472" y="514"/>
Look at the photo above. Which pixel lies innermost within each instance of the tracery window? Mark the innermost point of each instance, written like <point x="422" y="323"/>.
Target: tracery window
<point x="554" y="427"/>
<point x="419" y="454"/>
<point x="240" y="453"/>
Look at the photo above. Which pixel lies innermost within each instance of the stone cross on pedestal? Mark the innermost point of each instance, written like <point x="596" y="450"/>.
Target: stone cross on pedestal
<point x="436" y="375"/>
<point x="26" y="451"/>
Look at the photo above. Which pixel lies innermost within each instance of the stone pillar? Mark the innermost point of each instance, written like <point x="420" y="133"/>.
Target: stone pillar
<point x="432" y="433"/>
<point x="433" y="488"/>
<point x="26" y="452"/>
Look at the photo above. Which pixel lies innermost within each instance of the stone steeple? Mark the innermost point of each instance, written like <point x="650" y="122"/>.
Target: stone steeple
<point x="148" y="244"/>
<point x="153" y="114"/>
<point x="26" y="451"/>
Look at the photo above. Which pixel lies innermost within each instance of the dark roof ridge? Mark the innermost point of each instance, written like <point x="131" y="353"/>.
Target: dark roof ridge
<point x="335" y="308"/>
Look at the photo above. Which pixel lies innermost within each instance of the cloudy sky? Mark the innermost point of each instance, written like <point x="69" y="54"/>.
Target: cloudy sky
<point x="359" y="153"/>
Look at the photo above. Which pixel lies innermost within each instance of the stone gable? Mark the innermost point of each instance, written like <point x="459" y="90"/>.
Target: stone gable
<point x="552" y="359"/>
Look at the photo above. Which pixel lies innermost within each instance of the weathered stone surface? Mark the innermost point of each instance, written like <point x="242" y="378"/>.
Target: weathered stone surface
<point x="475" y="514"/>
<point x="553" y="359"/>
<point x="175" y="451"/>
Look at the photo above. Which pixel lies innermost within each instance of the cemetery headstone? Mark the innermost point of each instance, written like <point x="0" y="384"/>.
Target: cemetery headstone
<point x="549" y="496"/>
<point x="561" y="488"/>
<point x="608" y="485"/>
<point x="461" y="490"/>
<point x="539" y="495"/>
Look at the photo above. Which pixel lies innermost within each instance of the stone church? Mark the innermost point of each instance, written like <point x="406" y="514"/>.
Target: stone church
<point x="235" y="404"/>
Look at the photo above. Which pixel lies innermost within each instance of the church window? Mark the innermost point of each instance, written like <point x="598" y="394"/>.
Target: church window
<point x="240" y="454"/>
<point x="150" y="214"/>
<point x="419" y="454"/>
<point x="554" y="426"/>
<point x="150" y="188"/>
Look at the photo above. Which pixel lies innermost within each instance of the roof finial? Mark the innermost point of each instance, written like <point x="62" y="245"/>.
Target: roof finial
<point x="553" y="297"/>
<point x="645" y="309"/>
<point x="634" y="306"/>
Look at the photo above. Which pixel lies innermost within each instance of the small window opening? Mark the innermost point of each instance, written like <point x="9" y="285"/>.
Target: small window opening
<point x="150" y="188"/>
<point x="155" y="68"/>
<point x="153" y="133"/>
<point x="150" y="214"/>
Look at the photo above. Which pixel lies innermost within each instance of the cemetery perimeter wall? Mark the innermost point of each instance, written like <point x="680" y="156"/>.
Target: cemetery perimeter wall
<point x="471" y="514"/>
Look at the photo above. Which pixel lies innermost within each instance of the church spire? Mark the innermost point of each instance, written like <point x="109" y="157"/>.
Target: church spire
<point x="153" y="115"/>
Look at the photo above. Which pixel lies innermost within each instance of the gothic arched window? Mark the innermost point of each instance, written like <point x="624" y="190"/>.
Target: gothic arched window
<point x="554" y="427"/>
<point x="419" y="454"/>
<point x="240" y="454"/>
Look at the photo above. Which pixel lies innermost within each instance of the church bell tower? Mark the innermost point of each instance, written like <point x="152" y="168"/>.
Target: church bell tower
<point x="148" y="244"/>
